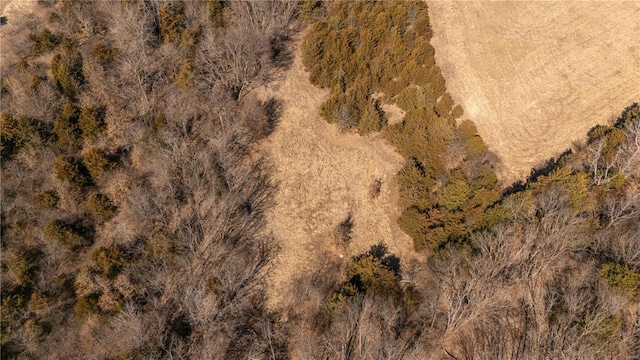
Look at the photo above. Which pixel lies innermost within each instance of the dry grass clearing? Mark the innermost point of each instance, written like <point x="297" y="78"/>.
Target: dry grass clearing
<point x="14" y="10"/>
<point x="536" y="75"/>
<point x="323" y="176"/>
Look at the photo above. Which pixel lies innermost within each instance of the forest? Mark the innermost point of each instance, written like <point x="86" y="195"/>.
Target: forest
<point x="134" y="195"/>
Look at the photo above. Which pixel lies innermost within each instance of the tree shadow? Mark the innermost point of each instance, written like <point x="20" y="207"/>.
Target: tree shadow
<point x="273" y="111"/>
<point x="547" y="168"/>
<point x="281" y="51"/>
<point x="391" y="261"/>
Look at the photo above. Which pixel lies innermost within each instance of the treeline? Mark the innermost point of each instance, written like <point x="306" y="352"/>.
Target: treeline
<point x="367" y="52"/>
<point x="132" y="196"/>
<point x="548" y="268"/>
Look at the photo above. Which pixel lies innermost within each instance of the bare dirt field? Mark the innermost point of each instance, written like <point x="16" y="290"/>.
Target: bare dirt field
<point x="537" y="75"/>
<point x="323" y="176"/>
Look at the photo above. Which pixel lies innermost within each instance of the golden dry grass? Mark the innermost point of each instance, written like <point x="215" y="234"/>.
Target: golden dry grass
<point x="323" y="175"/>
<point x="14" y="9"/>
<point x="537" y="75"/>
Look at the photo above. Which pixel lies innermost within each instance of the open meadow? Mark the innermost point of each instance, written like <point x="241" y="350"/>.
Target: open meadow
<point x="537" y="75"/>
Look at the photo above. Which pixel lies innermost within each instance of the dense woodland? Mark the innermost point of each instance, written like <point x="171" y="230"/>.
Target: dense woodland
<point x="134" y="197"/>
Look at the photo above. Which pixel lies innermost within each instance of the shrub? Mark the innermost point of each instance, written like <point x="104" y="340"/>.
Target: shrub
<point x="92" y="123"/>
<point x="20" y="132"/>
<point x="73" y="234"/>
<point x="67" y="73"/>
<point x="87" y="305"/>
<point x="371" y="118"/>
<point x="415" y="224"/>
<point x="189" y="38"/>
<point x="216" y="13"/>
<point x="66" y="129"/>
<point x="493" y="216"/>
<point x="411" y="98"/>
<point x="622" y="277"/>
<point x="101" y="207"/>
<point x="615" y="138"/>
<point x="48" y="199"/>
<point x="575" y="185"/>
<point x="445" y="105"/>
<point x="457" y="111"/>
<point x="109" y="260"/>
<point x="455" y="193"/>
<point x="172" y="21"/>
<point x="24" y="262"/>
<point x="104" y="54"/>
<point x="375" y="273"/>
<point x="338" y="301"/>
<point x="309" y="9"/>
<point x="185" y="75"/>
<point x="329" y="109"/>
<point x="415" y="186"/>
<point x="597" y="132"/>
<point x="467" y="129"/>
<point x="422" y="135"/>
<point x="73" y="171"/>
<point x="98" y="162"/>
<point x="422" y="26"/>
<point x="629" y="116"/>
<point x="475" y="146"/>
<point x="483" y="176"/>
<point x="44" y="41"/>
<point x="161" y="245"/>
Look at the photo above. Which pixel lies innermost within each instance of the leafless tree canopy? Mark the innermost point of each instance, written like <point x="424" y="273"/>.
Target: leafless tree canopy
<point x="178" y="250"/>
<point x="134" y="200"/>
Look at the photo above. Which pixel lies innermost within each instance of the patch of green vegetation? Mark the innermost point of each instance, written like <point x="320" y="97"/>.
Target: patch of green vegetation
<point x="66" y="128"/>
<point x="72" y="171"/>
<point x="73" y="234"/>
<point x="98" y="162"/>
<point x="66" y="69"/>
<point x="104" y="54"/>
<point x="172" y="21"/>
<point x="87" y="305"/>
<point x="622" y="277"/>
<point x="109" y="260"/>
<point x="24" y="262"/>
<point x="91" y="122"/>
<point x="362" y="48"/>
<point x="374" y="273"/>
<point x="19" y="132"/>
<point x="185" y="75"/>
<point x="48" y="199"/>
<point x="216" y="13"/>
<point x="100" y="206"/>
<point x="44" y="41"/>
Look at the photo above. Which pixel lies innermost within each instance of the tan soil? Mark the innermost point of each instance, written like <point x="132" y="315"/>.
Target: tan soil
<point x="13" y="9"/>
<point x="323" y="175"/>
<point x="393" y="113"/>
<point x="537" y="75"/>
<point x="16" y="14"/>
